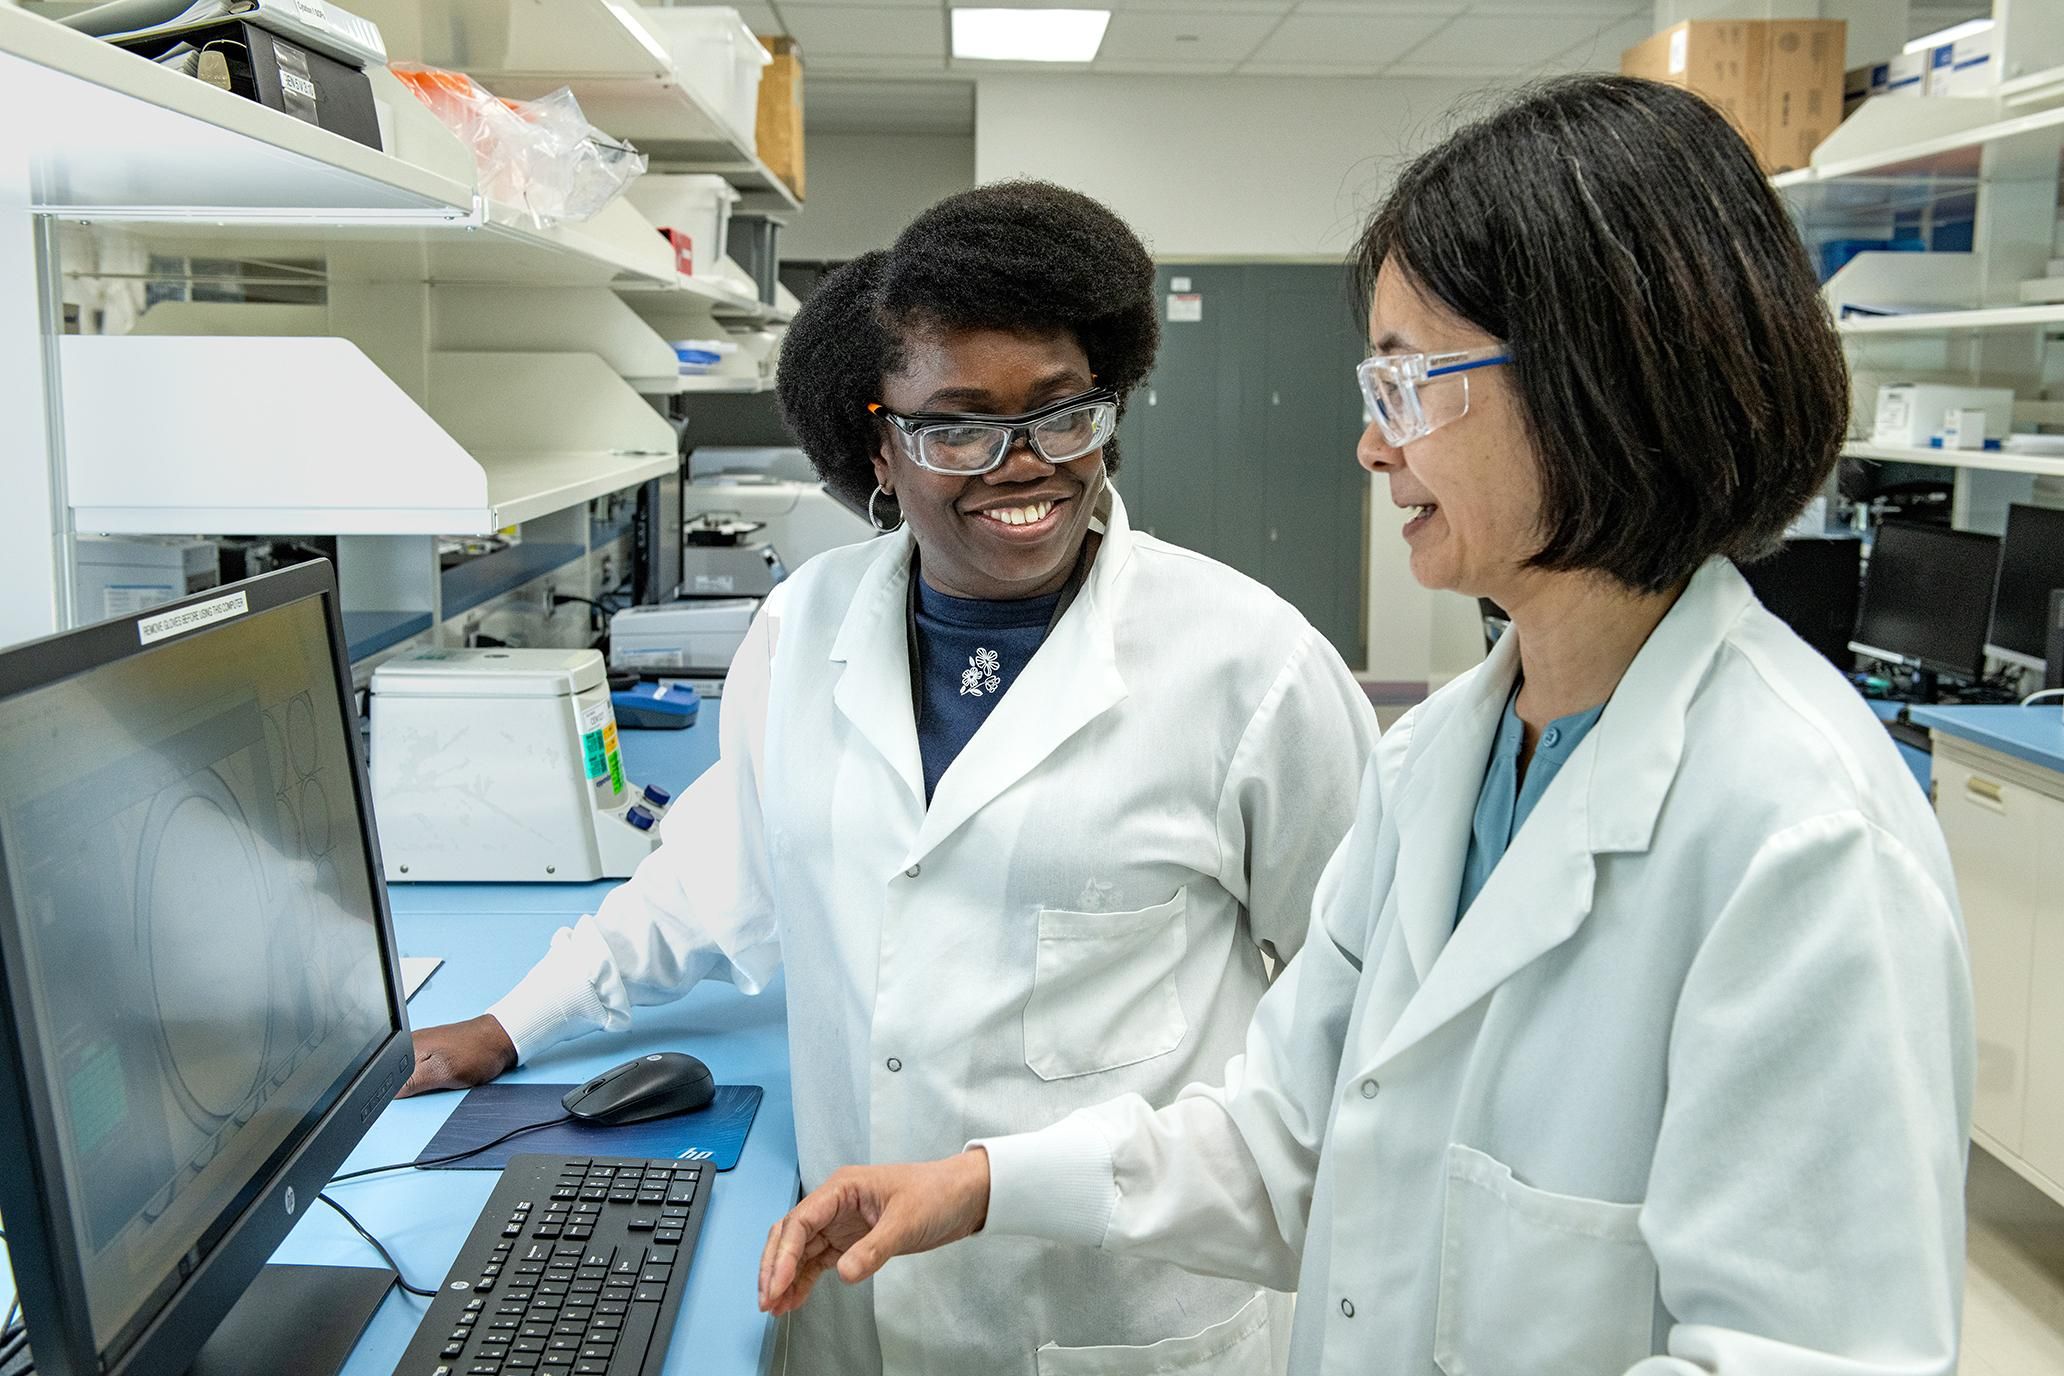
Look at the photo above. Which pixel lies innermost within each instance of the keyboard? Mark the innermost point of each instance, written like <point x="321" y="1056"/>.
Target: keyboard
<point x="574" y="1268"/>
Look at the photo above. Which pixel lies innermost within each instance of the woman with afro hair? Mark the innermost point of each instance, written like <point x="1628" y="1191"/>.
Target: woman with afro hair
<point x="1028" y="804"/>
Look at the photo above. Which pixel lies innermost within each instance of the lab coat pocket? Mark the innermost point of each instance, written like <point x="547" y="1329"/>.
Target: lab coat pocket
<point x="1237" y="1347"/>
<point x="1104" y="989"/>
<point x="1534" y="1283"/>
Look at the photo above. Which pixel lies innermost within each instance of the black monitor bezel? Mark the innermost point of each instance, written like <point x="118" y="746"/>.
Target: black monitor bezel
<point x="1863" y="644"/>
<point x="49" y="1276"/>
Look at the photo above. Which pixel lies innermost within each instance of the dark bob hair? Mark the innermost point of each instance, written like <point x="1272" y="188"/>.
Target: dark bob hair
<point x="1684" y="385"/>
<point x="1024" y="256"/>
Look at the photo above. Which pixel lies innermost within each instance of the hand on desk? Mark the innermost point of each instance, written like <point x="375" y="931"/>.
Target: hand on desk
<point x="459" y="1055"/>
<point x="864" y="1215"/>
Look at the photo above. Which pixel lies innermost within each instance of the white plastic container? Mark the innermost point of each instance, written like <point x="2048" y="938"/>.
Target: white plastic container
<point x="696" y="204"/>
<point x="716" y="55"/>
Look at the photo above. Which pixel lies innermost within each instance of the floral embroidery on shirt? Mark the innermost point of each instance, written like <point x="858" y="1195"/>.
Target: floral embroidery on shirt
<point x="983" y="674"/>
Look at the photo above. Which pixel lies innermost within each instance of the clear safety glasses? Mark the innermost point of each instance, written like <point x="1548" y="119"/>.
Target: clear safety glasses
<point x="1394" y="393"/>
<point x="967" y="445"/>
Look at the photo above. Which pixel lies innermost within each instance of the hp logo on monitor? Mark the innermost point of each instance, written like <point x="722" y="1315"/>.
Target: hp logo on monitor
<point x="290" y="1199"/>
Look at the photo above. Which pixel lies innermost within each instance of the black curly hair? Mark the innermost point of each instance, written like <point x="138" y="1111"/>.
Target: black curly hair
<point x="1020" y="256"/>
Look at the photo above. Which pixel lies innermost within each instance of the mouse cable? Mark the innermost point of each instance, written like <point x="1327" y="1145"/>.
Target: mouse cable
<point x="455" y="1156"/>
<point x="385" y="1255"/>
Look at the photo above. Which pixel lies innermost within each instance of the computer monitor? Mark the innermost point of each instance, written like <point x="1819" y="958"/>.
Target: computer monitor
<point x="1813" y="585"/>
<point x="2031" y="566"/>
<point x="1927" y="597"/>
<point x="200" y="1009"/>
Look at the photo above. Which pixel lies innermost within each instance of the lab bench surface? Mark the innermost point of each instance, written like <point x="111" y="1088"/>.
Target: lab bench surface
<point x="2034" y="735"/>
<point x="489" y="935"/>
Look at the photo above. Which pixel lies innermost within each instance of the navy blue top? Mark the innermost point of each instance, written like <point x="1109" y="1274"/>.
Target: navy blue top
<point x="972" y="651"/>
<point x="1506" y="800"/>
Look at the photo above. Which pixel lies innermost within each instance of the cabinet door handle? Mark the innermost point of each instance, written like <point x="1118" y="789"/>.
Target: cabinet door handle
<point x="1985" y="792"/>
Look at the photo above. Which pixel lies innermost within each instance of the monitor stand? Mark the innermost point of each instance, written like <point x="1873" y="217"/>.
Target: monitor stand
<point x="300" y="1319"/>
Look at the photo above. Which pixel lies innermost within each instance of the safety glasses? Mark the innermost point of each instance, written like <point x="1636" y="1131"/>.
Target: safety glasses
<point x="1395" y="395"/>
<point x="969" y="445"/>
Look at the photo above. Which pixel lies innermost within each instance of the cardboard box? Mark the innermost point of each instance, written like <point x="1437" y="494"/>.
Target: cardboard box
<point x="781" y="113"/>
<point x="1856" y="88"/>
<point x="1779" y="80"/>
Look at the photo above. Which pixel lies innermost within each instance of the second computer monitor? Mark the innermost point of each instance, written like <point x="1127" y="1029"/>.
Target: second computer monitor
<point x="2031" y="565"/>
<point x="1927" y="598"/>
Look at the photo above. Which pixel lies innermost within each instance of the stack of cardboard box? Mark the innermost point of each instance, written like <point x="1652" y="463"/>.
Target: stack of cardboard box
<point x="781" y="113"/>
<point x="1779" y="80"/>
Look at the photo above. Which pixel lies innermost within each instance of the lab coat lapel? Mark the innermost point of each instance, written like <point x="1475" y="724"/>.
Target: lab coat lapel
<point x="1606" y="799"/>
<point x="1437" y="805"/>
<point x="873" y="692"/>
<point x="1070" y="682"/>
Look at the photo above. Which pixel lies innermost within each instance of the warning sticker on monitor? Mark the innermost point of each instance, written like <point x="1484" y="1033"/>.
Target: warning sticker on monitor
<point x="152" y="629"/>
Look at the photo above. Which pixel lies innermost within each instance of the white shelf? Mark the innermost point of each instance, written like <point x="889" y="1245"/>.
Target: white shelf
<point x="1996" y="460"/>
<point x="1958" y="322"/>
<point x="1911" y="137"/>
<point x="703" y="384"/>
<point x="116" y="136"/>
<point x="306" y="436"/>
<point x="619" y="70"/>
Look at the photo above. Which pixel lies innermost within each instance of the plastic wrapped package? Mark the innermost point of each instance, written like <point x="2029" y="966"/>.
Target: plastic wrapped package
<point x="540" y="157"/>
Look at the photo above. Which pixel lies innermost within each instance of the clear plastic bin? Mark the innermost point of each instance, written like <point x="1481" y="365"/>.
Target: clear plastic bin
<point x="716" y="56"/>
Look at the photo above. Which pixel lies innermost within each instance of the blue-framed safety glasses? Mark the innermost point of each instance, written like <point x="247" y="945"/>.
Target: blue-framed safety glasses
<point x="1396" y="395"/>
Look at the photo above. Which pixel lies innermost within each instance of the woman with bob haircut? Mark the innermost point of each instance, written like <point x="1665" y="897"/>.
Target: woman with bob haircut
<point x="1634" y="1030"/>
<point x="1022" y="833"/>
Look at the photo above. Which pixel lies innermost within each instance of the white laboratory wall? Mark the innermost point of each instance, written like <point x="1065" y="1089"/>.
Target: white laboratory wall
<point x="865" y="187"/>
<point x="1215" y="167"/>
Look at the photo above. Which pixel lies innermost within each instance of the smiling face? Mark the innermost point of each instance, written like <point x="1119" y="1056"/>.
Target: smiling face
<point x="1472" y="488"/>
<point x="1013" y="532"/>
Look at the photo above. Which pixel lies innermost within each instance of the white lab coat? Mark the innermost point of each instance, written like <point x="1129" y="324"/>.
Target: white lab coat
<point x="1080" y="912"/>
<point x="1687" y="1091"/>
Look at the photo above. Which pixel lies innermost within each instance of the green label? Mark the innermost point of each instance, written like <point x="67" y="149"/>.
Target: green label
<point x="600" y="762"/>
<point x="616" y="771"/>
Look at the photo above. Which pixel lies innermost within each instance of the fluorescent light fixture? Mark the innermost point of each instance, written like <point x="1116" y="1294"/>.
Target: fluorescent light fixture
<point x="1029" y="35"/>
<point x="1948" y="35"/>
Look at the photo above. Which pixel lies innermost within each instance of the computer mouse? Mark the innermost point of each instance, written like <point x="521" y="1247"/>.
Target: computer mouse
<point x="652" y="1086"/>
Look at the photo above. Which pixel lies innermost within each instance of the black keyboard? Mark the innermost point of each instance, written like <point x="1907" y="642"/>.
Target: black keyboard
<point x="575" y="1268"/>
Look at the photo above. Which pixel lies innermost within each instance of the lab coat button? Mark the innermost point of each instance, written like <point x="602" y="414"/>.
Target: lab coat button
<point x="1369" y="1088"/>
<point x="895" y="1064"/>
<point x="912" y="872"/>
<point x="1347" y="1309"/>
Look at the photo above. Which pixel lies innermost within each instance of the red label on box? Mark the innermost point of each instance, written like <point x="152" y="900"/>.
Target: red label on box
<point x="684" y="251"/>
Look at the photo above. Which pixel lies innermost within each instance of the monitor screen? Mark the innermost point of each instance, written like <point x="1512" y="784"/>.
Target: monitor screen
<point x="2031" y="566"/>
<point x="1812" y="585"/>
<point x="1927" y="596"/>
<point x="195" y="904"/>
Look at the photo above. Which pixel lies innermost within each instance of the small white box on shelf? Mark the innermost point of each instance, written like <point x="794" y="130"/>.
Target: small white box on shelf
<point x="716" y="55"/>
<point x="1963" y="427"/>
<point x="1964" y="67"/>
<point x="1910" y="413"/>
<point x="696" y="204"/>
<point x="1904" y="75"/>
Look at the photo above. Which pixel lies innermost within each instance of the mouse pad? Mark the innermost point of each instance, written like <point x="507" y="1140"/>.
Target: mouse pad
<point x="714" y="1133"/>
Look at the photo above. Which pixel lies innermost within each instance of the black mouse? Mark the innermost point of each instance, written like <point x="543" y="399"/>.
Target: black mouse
<point x="650" y="1087"/>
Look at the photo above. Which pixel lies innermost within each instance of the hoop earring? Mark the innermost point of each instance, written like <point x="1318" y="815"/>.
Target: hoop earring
<point x="875" y="520"/>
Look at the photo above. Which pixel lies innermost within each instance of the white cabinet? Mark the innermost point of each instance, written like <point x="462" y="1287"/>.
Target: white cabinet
<point x="2004" y="821"/>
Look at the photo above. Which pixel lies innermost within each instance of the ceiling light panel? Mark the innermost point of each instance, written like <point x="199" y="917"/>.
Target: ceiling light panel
<point x="998" y="35"/>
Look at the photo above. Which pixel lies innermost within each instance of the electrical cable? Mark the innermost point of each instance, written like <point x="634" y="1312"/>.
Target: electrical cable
<point x="2033" y="698"/>
<point x="560" y="599"/>
<point x="455" y="1156"/>
<point x="378" y="1246"/>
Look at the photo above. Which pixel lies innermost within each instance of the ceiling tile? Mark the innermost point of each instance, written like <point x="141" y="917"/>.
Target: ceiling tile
<point x="1505" y="41"/>
<point x="835" y="31"/>
<point x="1601" y="52"/>
<point x="759" y="18"/>
<point x="1605" y="10"/>
<point x="889" y="107"/>
<point x="1202" y="40"/>
<point x="1358" y="40"/>
<point x="1221" y="68"/>
<point x="856" y="66"/>
<point x="1274" y="7"/>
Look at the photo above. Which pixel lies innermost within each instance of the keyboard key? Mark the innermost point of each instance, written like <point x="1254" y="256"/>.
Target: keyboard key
<point x="569" y="1343"/>
<point x="629" y="1262"/>
<point x="663" y="1256"/>
<point x="611" y="1309"/>
<point x="649" y="1294"/>
<point x="475" y="1306"/>
<point x="669" y="1235"/>
<point x="567" y="1249"/>
<point x="654" y="1275"/>
<point x="513" y="1230"/>
<point x="595" y="1354"/>
<point x="451" y="1349"/>
<point x="642" y="1225"/>
<point x="532" y="1333"/>
<point x="520" y="1361"/>
<point x="591" y="1369"/>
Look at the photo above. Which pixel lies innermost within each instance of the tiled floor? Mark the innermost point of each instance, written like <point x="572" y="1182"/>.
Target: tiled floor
<point x="2014" y="1285"/>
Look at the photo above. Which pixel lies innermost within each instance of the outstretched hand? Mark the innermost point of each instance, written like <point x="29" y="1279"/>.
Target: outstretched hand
<point x="864" y="1215"/>
<point x="459" y="1055"/>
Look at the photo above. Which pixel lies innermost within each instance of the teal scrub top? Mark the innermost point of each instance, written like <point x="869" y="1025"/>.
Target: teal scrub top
<point x="1506" y="800"/>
